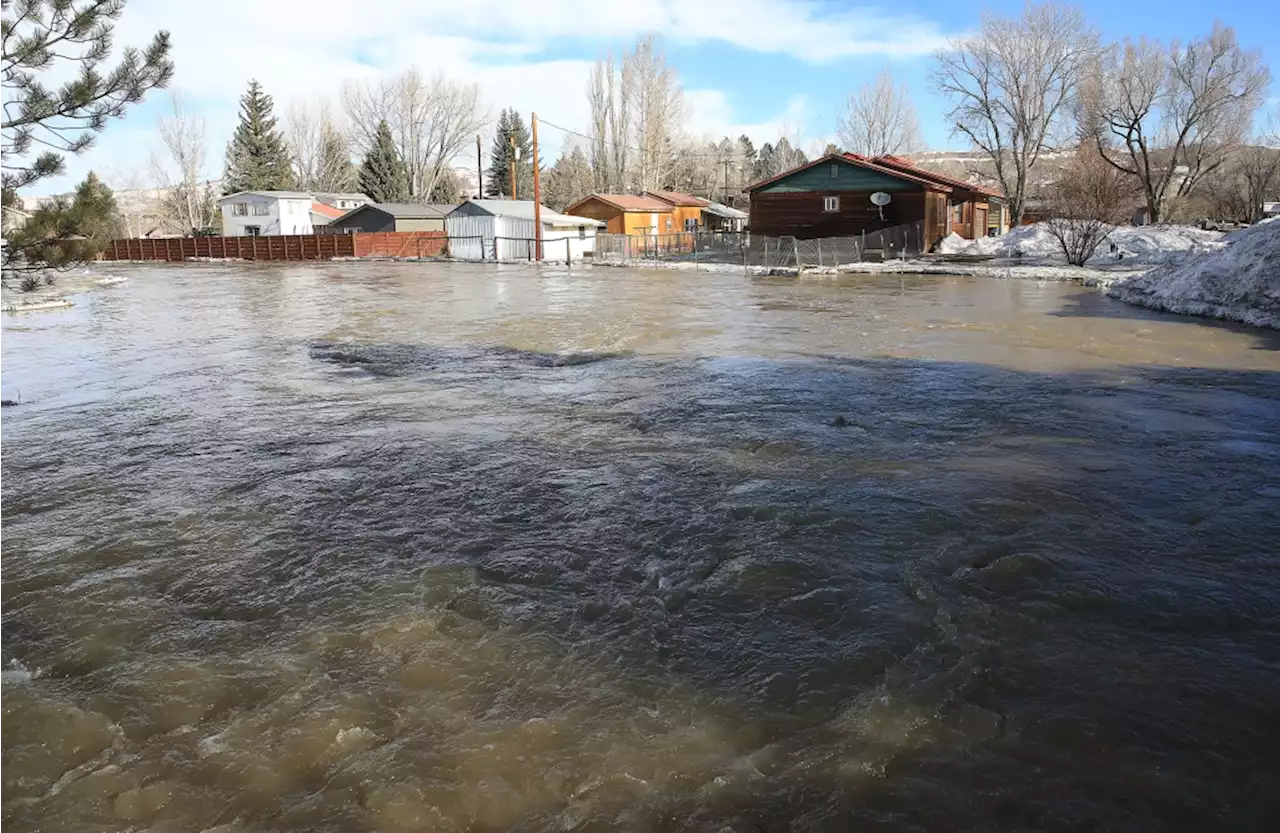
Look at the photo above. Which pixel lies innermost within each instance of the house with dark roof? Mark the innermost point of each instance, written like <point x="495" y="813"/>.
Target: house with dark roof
<point x="627" y="213"/>
<point x="831" y="197"/>
<point x="393" y="216"/>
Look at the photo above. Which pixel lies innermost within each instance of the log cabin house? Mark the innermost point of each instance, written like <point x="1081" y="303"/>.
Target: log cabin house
<point x="831" y="197"/>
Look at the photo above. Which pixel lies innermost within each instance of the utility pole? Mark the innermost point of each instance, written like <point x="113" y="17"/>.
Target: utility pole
<point x="479" y="171"/>
<point x="537" y="194"/>
<point x="511" y="162"/>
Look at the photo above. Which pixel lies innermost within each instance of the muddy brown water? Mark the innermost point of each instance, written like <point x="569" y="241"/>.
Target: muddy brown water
<point x="374" y="547"/>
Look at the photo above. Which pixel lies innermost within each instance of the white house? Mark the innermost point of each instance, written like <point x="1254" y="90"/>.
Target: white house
<point x="263" y="213"/>
<point x="503" y="230"/>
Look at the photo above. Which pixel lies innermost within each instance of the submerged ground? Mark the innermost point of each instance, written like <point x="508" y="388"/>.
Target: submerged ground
<point x="356" y="547"/>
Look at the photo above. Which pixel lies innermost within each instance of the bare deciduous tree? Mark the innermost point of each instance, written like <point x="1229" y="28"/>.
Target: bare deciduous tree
<point x="1170" y="117"/>
<point x="1012" y="84"/>
<point x="659" y="111"/>
<point x="880" y="118"/>
<point x="187" y="201"/>
<point x="1089" y="199"/>
<point x="135" y="203"/>
<point x="432" y="121"/>
<point x="1260" y="167"/>
<point x="318" y="147"/>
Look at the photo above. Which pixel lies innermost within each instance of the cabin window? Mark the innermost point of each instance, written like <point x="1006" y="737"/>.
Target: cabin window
<point x="835" y="171"/>
<point x="582" y="232"/>
<point x="830" y="203"/>
<point x="259" y="209"/>
<point x="957" y="213"/>
<point x="239" y="209"/>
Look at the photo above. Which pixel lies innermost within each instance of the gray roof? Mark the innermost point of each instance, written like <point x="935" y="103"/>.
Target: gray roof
<point x="337" y="196"/>
<point x="721" y="210"/>
<point x="280" y="195"/>
<point x="408" y="210"/>
<point x="523" y="210"/>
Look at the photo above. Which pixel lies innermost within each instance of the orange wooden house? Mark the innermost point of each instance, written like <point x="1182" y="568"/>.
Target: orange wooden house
<point x="686" y="209"/>
<point x="627" y="213"/>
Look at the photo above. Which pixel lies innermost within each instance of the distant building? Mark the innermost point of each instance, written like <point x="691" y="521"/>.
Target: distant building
<point x="14" y="218"/>
<point x="346" y="202"/>
<point x="504" y="230"/>
<point x="1271" y="209"/>
<point x="393" y="216"/>
<point x="626" y="213"/>
<point x="719" y="217"/>
<point x="266" y="213"/>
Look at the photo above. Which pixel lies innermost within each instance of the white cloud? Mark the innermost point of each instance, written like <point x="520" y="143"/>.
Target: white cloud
<point x="300" y="50"/>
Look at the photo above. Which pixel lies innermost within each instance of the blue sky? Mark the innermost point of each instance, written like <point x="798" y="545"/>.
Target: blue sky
<point x="762" y="67"/>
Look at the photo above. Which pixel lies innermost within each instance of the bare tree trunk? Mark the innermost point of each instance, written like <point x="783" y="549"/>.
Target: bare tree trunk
<point x="1011" y="84"/>
<point x="1170" y="117"/>
<point x="187" y="204"/>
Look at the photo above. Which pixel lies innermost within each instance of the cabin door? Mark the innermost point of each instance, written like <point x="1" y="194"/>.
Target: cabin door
<point x="979" y="222"/>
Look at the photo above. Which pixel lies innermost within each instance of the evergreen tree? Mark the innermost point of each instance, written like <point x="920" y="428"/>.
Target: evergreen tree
<point x="65" y="232"/>
<point x="498" y="177"/>
<point x="568" y="181"/>
<point x="747" y="155"/>
<point x="257" y="159"/>
<point x="765" y="162"/>
<point x="832" y="147"/>
<point x="449" y="187"/>
<point x="382" y="175"/>
<point x="66" y="40"/>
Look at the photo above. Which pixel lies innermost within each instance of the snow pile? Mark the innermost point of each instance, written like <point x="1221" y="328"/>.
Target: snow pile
<point x="1134" y="244"/>
<point x="1240" y="282"/>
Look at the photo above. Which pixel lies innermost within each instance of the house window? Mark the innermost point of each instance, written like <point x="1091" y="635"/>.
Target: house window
<point x="253" y="231"/>
<point x="835" y="171"/>
<point x="957" y="213"/>
<point x="239" y="209"/>
<point x="670" y="224"/>
<point x="259" y="209"/>
<point x="830" y="204"/>
<point x="582" y="232"/>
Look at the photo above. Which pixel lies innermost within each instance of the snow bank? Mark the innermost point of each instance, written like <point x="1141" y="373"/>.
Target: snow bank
<point x="1239" y="282"/>
<point x="1134" y="244"/>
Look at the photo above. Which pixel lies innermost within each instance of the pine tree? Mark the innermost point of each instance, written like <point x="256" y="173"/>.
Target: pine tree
<point x="63" y="232"/>
<point x="498" y="177"/>
<point x="257" y="159"/>
<point x="382" y="175"/>
<point x="765" y="162"/>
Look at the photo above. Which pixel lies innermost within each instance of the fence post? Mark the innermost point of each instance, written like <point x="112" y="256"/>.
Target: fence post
<point x="568" y="253"/>
<point x="744" y="261"/>
<point x="819" y="252"/>
<point x="795" y="247"/>
<point x="695" y="252"/>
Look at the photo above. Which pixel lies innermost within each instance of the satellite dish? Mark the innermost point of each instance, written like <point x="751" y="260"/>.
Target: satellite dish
<point x="880" y="199"/>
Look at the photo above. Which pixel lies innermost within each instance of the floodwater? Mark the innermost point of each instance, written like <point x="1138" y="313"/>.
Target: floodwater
<point x="376" y="547"/>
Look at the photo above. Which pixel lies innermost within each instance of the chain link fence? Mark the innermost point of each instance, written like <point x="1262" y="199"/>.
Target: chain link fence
<point x="754" y="250"/>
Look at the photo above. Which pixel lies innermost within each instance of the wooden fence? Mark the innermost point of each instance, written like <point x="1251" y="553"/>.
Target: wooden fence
<point x="282" y="247"/>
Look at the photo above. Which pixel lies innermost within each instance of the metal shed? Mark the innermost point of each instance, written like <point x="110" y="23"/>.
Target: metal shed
<point x="504" y="230"/>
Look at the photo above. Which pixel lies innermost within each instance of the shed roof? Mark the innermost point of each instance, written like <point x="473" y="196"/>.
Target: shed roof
<point x="900" y="164"/>
<point x="404" y="210"/>
<point x="279" y="195"/>
<point x="626" y="202"/>
<point x="523" y="210"/>
<point x="721" y="210"/>
<point x="336" y="196"/>
<point x="853" y="159"/>
<point x="677" y="198"/>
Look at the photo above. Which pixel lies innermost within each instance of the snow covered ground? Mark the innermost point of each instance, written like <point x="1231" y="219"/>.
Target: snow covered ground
<point x="1237" y="281"/>
<point x="1134" y="244"/>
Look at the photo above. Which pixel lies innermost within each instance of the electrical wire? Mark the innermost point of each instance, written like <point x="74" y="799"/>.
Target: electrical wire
<point x="719" y="157"/>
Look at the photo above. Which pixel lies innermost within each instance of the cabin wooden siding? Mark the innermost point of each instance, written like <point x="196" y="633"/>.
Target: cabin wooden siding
<point x="849" y="177"/>
<point x="803" y="215"/>
<point x="618" y="221"/>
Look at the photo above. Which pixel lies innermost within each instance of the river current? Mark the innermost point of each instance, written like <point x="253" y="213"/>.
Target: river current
<point x="445" y="547"/>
